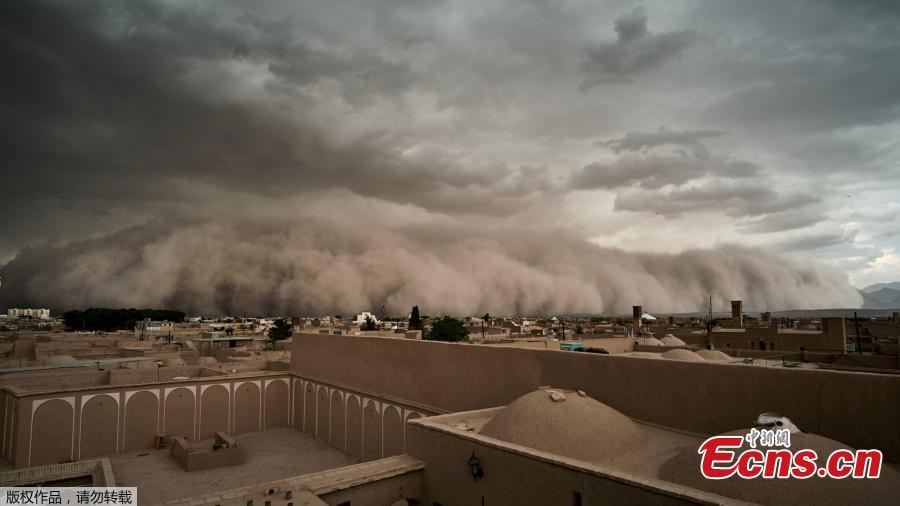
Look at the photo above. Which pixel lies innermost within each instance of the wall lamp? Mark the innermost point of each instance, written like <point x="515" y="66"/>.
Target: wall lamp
<point x="475" y="467"/>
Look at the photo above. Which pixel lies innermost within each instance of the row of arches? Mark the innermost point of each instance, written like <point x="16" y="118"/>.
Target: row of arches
<point x="93" y="425"/>
<point x="8" y="407"/>
<point x="363" y="427"/>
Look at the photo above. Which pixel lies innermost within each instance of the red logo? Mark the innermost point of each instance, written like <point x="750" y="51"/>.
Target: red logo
<point x="722" y="458"/>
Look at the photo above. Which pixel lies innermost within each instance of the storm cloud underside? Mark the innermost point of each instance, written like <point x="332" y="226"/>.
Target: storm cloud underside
<point x="517" y="158"/>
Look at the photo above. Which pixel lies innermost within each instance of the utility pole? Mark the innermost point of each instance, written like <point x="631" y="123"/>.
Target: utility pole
<point x="709" y="325"/>
<point x="856" y="324"/>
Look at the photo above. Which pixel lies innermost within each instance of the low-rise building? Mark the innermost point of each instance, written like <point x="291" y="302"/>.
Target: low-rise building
<point x="43" y="314"/>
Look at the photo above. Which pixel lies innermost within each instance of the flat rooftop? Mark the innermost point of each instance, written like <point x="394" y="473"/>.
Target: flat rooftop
<point x="575" y="431"/>
<point x="270" y="455"/>
<point x="78" y="363"/>
<point x="221" y="339"/>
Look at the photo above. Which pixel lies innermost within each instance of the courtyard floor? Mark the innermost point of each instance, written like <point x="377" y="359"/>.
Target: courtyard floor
<point x="270" y="455"/>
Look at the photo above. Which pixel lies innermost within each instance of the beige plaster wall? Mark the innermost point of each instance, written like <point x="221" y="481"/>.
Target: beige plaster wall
<point x="199" y="459"/>
<point x="512" y="478"/>
<point x="52" y="427"/>
<point x="384" y="491"/>
<point x="858" y="409"/>
<point x="362" y="425"/>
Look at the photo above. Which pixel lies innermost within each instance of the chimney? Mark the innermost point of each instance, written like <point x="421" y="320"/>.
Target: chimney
<point x="835" y="332"/>
<point x="636" y="313"/>
<point x="737" y="312"/>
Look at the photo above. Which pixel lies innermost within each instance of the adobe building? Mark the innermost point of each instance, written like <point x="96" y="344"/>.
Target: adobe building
<point x="737" y="312"/>
<point x="831" y="339"/>
<point x="152" y="329"/>
<point x="381" y="420"/>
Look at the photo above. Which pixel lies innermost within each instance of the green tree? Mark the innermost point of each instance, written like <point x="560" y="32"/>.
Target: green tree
<point x="280" y="330"/>
<point x="110" y="320"/>
<point x="369" y="324"/>
<point x="448" y="329"/>
<point x="415" y="321"/>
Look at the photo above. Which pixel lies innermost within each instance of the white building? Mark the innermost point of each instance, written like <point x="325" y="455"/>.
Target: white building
<point x="361" y="318"/>
<point x="43" y="314"/>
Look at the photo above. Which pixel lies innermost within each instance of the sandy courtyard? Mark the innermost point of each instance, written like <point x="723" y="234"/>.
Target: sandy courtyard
<point x="270" y="455"/>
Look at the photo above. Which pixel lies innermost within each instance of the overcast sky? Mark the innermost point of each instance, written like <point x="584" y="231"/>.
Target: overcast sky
<point x="654" y="126"/>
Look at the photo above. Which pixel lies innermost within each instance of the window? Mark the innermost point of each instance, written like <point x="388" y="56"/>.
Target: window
<point x="576" y="498"/>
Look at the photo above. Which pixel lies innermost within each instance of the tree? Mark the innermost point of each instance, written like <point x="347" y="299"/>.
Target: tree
<point x="280" y="330"/>
<point x="415" y="322"/>
<point x="579" y="329"/>
<point x="369" y="324"/>
<point x="110" y="320"/>
<point x="484" y="319"/>
<point x="448" y="329"/>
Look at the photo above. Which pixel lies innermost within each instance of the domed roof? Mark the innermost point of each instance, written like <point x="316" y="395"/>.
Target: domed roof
<point x="642" y="354"/>
<point x="651" y="341"/>
<point x="670" y="340"/>
<point x="685" y="355"/>
<point x="713" y="355"/>
<point x="566" y="423"/>
<point x="684" y="468"/>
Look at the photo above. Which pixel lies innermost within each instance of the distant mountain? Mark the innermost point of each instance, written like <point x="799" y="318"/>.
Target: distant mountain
<point x="884" y="298"/>
<point x="879" y="286"/>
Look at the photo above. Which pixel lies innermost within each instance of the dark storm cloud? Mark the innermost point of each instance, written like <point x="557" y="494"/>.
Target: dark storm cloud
<point x="103" y="97"/>
<point x="361" y="75"/>
<point x="651" y="168"/>
<point x="729" y="198"/>
<point x="806" y="67"/>
<point x="637" y="141"/>
<point x="780" y="222"/>
<point x="654" y="172"/>
<point x="858" y="89"/>
<point x="321" y="155"/>
<point x="635" y="51"/>
<point x="814" y="241"/>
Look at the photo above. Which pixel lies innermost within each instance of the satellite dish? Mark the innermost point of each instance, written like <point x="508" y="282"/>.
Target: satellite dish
<point x="776" y="421"/>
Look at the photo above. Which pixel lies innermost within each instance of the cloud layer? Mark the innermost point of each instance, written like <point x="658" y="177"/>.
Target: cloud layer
<point x="155" y="124"/>
<point x="314" y="267"/>
<point x="634" y="52"/>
